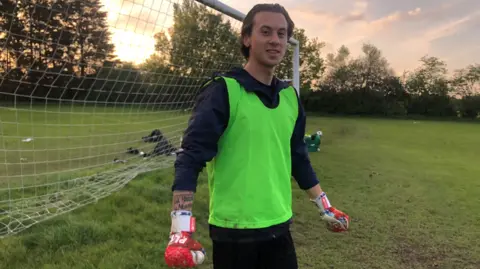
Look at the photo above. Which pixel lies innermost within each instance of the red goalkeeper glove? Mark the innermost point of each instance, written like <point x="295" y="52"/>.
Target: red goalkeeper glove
<point x="335" y="220"/>
<point x="182" y="250"/>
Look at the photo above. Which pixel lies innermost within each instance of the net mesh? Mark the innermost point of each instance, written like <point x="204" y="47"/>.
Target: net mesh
<point x="92" y="93"/>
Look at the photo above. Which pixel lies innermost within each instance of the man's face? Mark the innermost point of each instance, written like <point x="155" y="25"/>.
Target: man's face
<point x="268" y="42"/>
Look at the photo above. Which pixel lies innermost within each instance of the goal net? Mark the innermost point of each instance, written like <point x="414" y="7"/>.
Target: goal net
<point x="94" y="92"/>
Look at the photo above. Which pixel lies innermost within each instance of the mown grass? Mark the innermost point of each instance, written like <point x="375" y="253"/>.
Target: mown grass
<point x="70" y="139"/>
<point x="412" y="190"/>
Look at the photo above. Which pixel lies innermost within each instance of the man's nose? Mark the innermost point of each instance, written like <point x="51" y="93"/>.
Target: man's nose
<point x="275" y="39"/>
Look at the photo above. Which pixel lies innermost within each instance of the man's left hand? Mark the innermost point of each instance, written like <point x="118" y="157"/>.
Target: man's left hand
<point x="335" y="220"/>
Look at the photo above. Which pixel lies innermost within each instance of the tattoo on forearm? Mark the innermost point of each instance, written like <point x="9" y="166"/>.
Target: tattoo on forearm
<point x="182" y="200"/>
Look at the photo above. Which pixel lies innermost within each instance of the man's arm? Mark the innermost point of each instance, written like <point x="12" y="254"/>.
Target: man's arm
<point x="314" y="191"/>
<point x="182" y="200"/>
<point x="199" y="144"/>
<point x="302" y="169"/>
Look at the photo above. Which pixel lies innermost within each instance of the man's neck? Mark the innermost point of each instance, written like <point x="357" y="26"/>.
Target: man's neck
<point x="260" y="73"/>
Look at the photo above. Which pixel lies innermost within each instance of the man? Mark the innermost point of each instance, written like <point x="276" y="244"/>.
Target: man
<point x="248" y="129"/>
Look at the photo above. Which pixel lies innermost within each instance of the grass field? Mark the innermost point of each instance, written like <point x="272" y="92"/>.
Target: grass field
<point x="411" y="188"/>
<point x="68" y="139"/>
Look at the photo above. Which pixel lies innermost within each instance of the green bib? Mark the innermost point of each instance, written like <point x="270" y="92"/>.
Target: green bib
<point x="250" y="177"/>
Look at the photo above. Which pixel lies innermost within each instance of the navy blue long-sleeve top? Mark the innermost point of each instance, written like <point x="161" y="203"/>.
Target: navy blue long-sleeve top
<point x="210" y="118"/>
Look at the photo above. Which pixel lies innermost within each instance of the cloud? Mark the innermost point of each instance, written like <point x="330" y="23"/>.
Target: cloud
<point x="312" y="9"/>
<point x="451" y="27"/>
<point x="414" y="12"/>
<point x="358" y="13"/>
<point x="404" y="31"/>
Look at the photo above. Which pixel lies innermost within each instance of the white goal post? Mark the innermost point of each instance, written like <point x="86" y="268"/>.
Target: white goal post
<point x="94" y="93"/>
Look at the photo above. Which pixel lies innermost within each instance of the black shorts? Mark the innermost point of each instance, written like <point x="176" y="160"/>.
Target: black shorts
<point x="276" y="253"/>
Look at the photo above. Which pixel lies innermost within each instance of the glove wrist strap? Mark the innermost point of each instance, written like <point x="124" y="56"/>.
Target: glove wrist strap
<point x="322" y="202"/>
<point x="182" y="221"/>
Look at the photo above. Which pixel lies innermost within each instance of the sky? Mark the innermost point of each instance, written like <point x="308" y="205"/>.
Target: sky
<point x="403" y="30"/>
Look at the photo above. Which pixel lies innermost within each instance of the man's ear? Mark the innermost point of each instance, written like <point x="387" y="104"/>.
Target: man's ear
<point x="246" y="41"/>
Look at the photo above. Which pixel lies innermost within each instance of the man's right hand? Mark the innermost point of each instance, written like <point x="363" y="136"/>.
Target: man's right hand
<point x="182" y="250"/>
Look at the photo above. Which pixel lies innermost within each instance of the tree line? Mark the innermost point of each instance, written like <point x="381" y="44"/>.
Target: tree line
<point x="61" y="51"/>
<point x="367" y="85"/>
<point x="50" y="48"/>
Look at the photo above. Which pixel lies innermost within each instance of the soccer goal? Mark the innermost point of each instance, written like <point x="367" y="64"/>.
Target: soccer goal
<point x="93" y="93"/>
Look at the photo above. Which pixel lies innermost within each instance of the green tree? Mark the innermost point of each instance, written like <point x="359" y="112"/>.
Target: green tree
<point x="372" y="67"/>
<point x="466" y="84"/>
<point x="157" y="67"/>
<point x="339" y="60"/>
<point x="429" y="78"/>
<point x="312" y="65"/>
<point x="88" y="38"/>
<point x="27" y="41"/>
<point x="338" y="70"/>
<point x="51" y="40"/>
<point x="11" y="29"/>
<point x="430" y="89"/>
<point x="202" y="41"/>
<point x="466" y="81"/>
<point x="367" y="71"/>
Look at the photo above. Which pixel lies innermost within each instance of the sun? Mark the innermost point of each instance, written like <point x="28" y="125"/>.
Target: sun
<point x="131" y="46"/>
<point x="132" y="30"/>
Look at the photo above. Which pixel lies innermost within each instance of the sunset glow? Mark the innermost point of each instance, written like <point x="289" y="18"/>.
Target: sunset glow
<point x="133" y="26"/>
